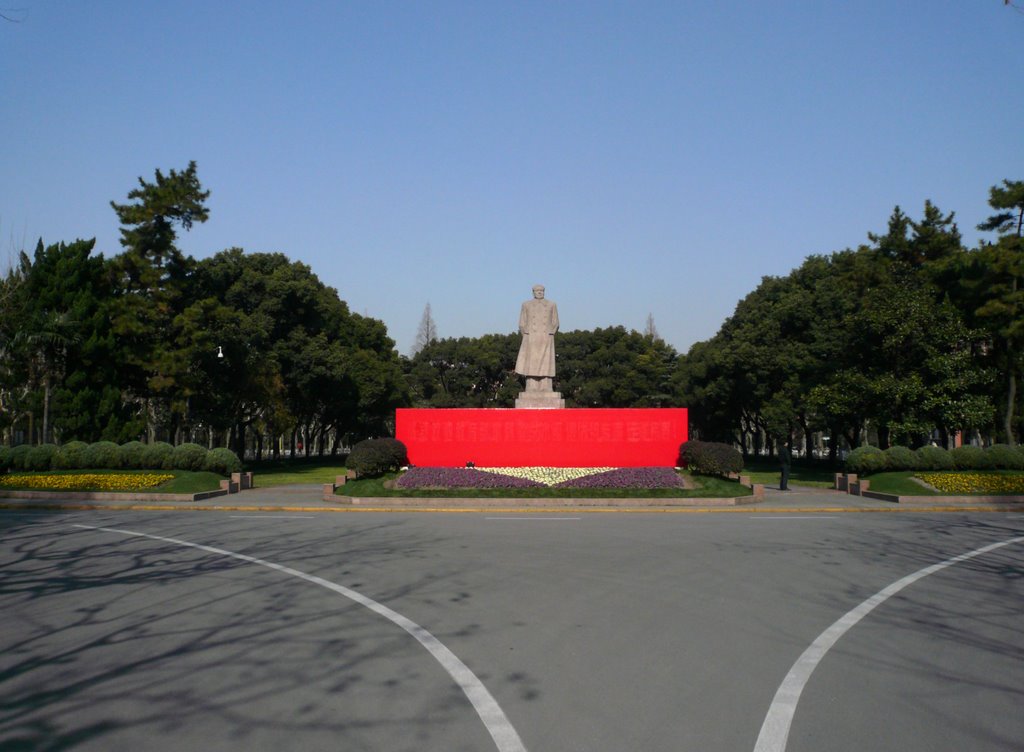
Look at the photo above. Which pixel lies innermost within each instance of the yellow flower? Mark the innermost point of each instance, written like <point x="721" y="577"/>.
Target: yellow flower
<point x="975" y="483"/>
<point x="85" y="481"/>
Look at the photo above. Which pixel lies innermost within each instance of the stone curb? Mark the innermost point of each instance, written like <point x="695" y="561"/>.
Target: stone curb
<point x="112" y="496"/>
<point x="942" y="500"/>
<point x="722" y="509"/>
<point x="410" y="502"/>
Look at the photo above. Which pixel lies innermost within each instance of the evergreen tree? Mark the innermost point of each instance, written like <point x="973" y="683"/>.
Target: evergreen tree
<point x="997" y="283"/>
<point x="150" y="278"/>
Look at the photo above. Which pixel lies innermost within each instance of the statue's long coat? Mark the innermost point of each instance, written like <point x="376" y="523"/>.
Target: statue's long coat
<point x="538" y="322"/>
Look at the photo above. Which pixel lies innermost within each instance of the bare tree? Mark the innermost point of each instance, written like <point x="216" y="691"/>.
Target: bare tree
<point x="10" y="14"/>
<point x="427" y="331"/>
<point x="650" y="330"/>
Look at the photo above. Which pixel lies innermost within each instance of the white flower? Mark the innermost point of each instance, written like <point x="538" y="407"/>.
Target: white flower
<point x="549" y="476"/>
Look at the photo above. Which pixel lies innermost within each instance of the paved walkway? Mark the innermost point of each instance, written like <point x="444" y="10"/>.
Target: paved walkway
<point x="309" y="498"/>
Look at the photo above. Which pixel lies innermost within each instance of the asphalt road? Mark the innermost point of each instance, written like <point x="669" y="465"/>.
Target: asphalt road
<point x="481" y="631"/>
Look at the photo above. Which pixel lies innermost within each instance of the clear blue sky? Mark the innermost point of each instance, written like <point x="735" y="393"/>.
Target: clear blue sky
<point x="635" y="157"/>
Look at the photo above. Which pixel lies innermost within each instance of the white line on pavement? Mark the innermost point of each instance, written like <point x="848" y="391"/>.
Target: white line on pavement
<point x="535" y="519"/>
<point x="792" y="517"/>
<point x="775" y="729"/>
<point x="259" y="516"/>
<point x="500" y="728"/>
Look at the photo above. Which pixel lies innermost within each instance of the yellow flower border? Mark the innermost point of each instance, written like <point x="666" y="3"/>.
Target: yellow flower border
<point x="112" y="482"/>
<point x="959" y="484"/>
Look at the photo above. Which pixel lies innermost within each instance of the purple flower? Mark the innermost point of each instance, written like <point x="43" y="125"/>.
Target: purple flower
<point x="628" y="477"/>
<point x="463" y="477"/>
<point x="460" y="477"/>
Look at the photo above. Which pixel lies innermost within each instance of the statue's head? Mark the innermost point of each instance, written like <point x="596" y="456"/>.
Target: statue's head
<point x="538" y="291"/>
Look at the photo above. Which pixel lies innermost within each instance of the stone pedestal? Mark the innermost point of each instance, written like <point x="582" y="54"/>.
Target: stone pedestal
<point x="540" y="400"/>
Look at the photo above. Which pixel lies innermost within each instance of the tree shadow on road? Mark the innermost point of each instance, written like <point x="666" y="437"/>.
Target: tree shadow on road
<point x="113" y="642"/>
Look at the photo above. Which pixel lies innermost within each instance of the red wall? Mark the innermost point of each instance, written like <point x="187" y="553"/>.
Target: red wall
<point x="574" y="437"/>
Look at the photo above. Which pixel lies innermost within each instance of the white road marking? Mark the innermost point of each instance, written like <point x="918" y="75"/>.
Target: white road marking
<point x="500" y="728"/>
<point x="792" y="517"/>
<point x="544" y="519"/>
<point x="258" y="516"/>
<point x="775" y="729"/>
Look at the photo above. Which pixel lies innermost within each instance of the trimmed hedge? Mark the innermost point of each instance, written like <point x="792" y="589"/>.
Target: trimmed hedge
<point x="134" y="453"/>
<point x="71" y="456"/>
<point x="900" y="458"/>
<point x="157" y="456"/>
<point x="103" y="455"/>
<point x="17" y="455"/>
<point x="969" y="457"/>
<point x="869" y="459"/>
<point x="710" y="458"/>
<point x="866" y="459"/>
<point x="934" y="458"/>
<point x="188" y="457"/>
<point x="374" y="457"/>
<point x="222" y="461"/>
<point x="106" y="455"/>
<point x="40" y="458"/>
<point x="1005" y="457"/>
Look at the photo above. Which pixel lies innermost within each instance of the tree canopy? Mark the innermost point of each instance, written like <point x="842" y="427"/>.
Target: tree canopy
<point x="907" y="339"/>
<point x="233" y="349"/>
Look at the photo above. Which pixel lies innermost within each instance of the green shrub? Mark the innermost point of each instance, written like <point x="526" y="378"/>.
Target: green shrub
<point x="934" y="458"/>
<point x="134" y="454"/>
<point x="102" y="455"/>
<point x="157" y="456"/>
<point x="865" y="460"/>
<point x="377" y="456"/>
<point x="969" y="457"/>
<point x="16" y="457"/>
<point x="710" y="458"/>
<point x="1004" y="457"/>
<point x="5" y="458"/>
<point x="900" y="458"/>
<point x="222" y="461"/>
<point x="188" y="457"/>
<point x="70" y="456"/>
<point x="40" y="458"/>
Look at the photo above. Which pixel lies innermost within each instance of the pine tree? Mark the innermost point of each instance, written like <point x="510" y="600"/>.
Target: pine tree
<point x="151" y="275"/>
<point x="1002" y="288"/>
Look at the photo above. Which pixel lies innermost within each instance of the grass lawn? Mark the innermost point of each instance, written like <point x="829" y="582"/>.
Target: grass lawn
<point x="182" y="482"/>
<point x="707" y="488"/>
<point x="317" y="470"/>
<point x="901" y="483"/>
<point x="768" y="473"/>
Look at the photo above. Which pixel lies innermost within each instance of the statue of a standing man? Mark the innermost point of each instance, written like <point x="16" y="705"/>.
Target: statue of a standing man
<point x="538" y="322"/>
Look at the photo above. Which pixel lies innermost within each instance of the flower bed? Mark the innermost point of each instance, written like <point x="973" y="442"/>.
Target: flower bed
<point x="540" y="477"/>
<point x="85" y="481"/>
<point x="460" y="477"/>
<point x="974" y="483"/>
<point x="629" y="477"/>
